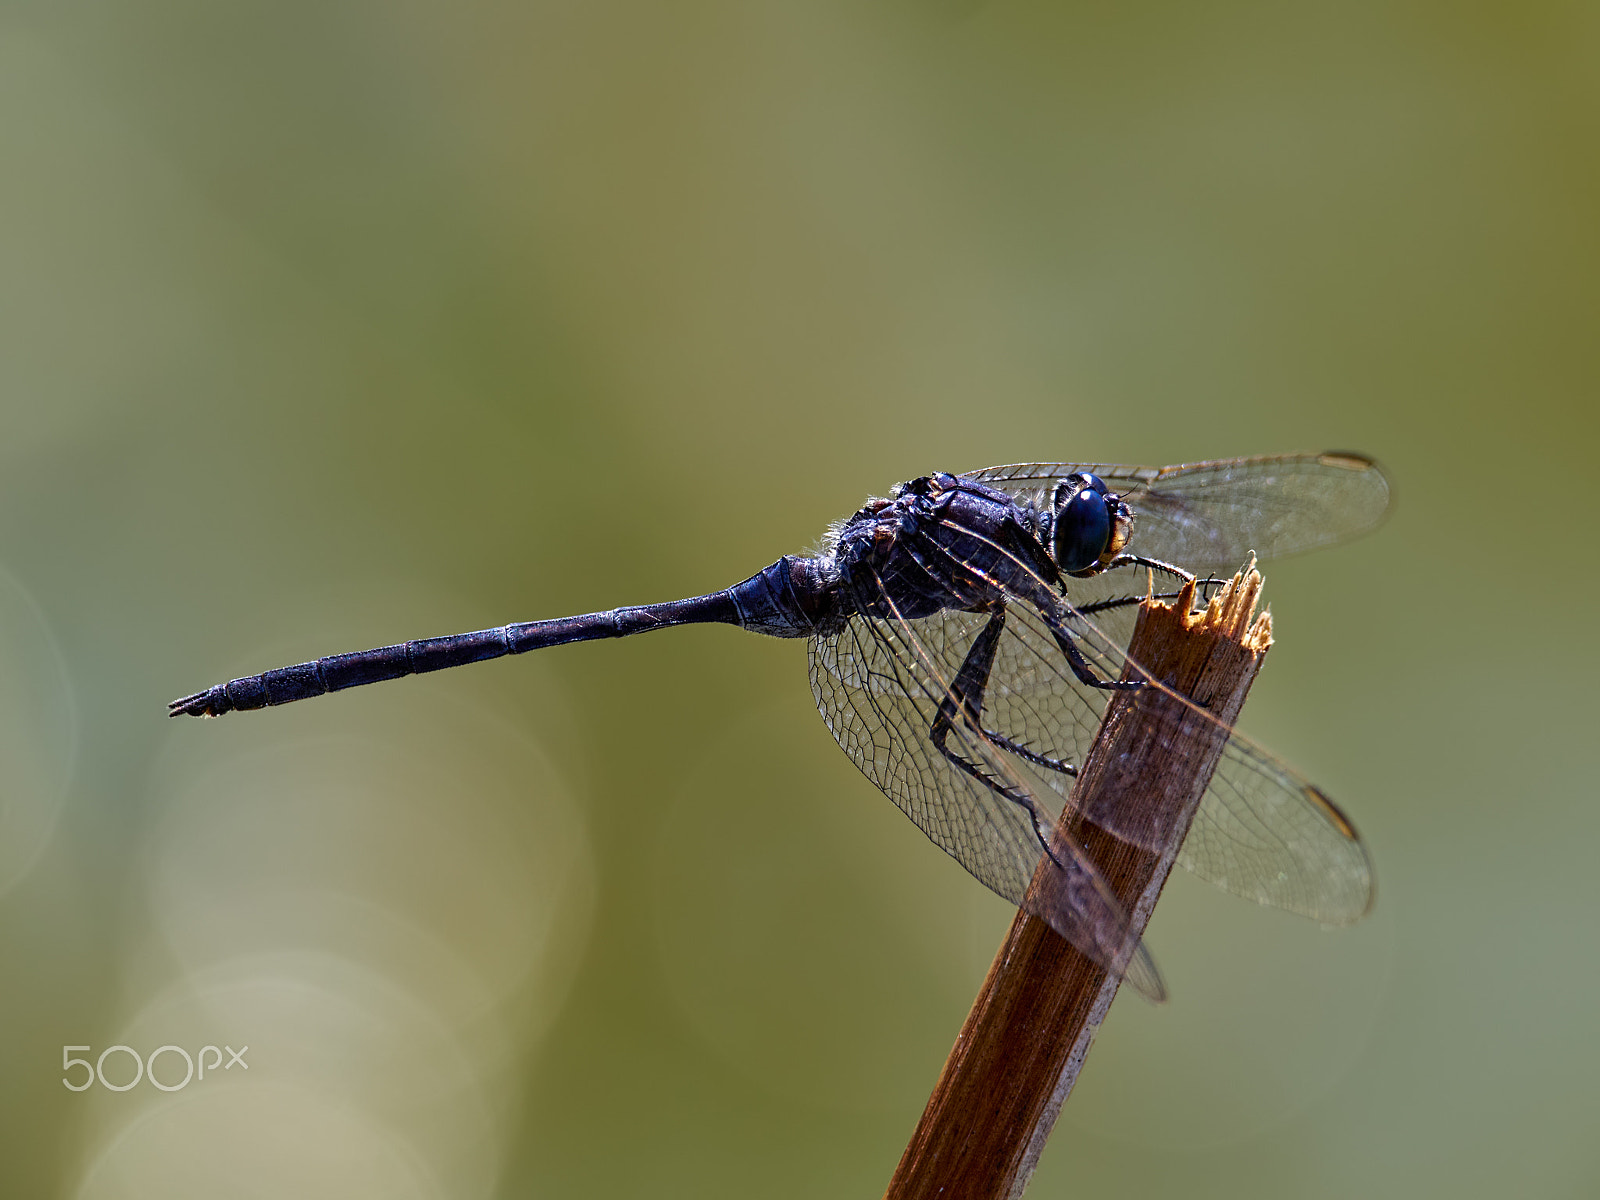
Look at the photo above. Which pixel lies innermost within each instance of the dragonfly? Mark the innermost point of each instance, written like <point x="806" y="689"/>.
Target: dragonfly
<point x="965" y="634"/>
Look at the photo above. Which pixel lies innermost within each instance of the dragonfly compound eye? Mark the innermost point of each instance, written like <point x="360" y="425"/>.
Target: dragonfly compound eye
<point x="1082" y="526"/>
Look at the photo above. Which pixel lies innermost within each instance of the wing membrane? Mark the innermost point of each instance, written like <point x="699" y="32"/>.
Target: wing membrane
<point x="879" y="684"/>
<point x="1210" y="516"/>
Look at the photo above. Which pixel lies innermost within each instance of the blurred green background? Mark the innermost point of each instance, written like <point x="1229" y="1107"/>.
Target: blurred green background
<point x="328" y="325"/>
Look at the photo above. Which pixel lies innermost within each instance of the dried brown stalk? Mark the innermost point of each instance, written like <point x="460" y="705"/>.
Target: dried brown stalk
<point x="1041" y="1005"/>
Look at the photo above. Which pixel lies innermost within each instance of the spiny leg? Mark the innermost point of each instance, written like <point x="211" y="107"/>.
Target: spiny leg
<point x="1068" y="644"/>
<point x="1080" y="665"/>
<point x="1203" y="587"/>
<point x="966" y="697"/>
<point x="1154" y="564"/>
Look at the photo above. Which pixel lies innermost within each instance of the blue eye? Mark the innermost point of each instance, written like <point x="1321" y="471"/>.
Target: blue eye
<point x="1083" y="528"/>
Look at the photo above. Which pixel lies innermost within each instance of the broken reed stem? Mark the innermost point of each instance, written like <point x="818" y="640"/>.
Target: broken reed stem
<point x="1031" y="1026"/>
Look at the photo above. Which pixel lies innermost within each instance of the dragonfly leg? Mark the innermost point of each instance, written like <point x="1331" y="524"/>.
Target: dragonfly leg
<point x="965" y="700"/>
<point x="1021" y="751"/>
<point x="1080" y="665"/>
<point x="1100" y="606"/>
<point x="1204" y="588"/>
<point x="1154" y="564"/>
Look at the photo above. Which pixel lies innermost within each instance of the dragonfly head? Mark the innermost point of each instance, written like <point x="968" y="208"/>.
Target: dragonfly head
<point x="1089" y="524"/>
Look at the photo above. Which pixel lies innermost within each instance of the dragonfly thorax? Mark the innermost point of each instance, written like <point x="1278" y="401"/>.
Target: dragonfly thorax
<point x="943" y="542"/>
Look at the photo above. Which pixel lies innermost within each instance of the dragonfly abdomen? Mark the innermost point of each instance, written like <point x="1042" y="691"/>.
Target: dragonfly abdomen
<point x="788" y="599"/>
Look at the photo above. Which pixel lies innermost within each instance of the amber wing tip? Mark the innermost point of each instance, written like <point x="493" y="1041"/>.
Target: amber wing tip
<point x="1352" y="460"/>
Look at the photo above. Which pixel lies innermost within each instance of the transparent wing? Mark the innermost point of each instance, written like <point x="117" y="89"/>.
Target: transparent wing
<point x="1210" y="516"/>
<point x="879" y="685"/>
<point x="1263" y="831"/>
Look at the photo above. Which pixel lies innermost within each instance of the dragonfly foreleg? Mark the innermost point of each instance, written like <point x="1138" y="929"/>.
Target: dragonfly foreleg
<point x="1154" y="564"/>
<point x="1204" y="586"/>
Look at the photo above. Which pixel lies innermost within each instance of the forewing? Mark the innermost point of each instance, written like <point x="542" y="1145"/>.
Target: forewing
<point x="1262" y="831"/>
<point x="1210" y="516"/>
<point x="879" y="685"/>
